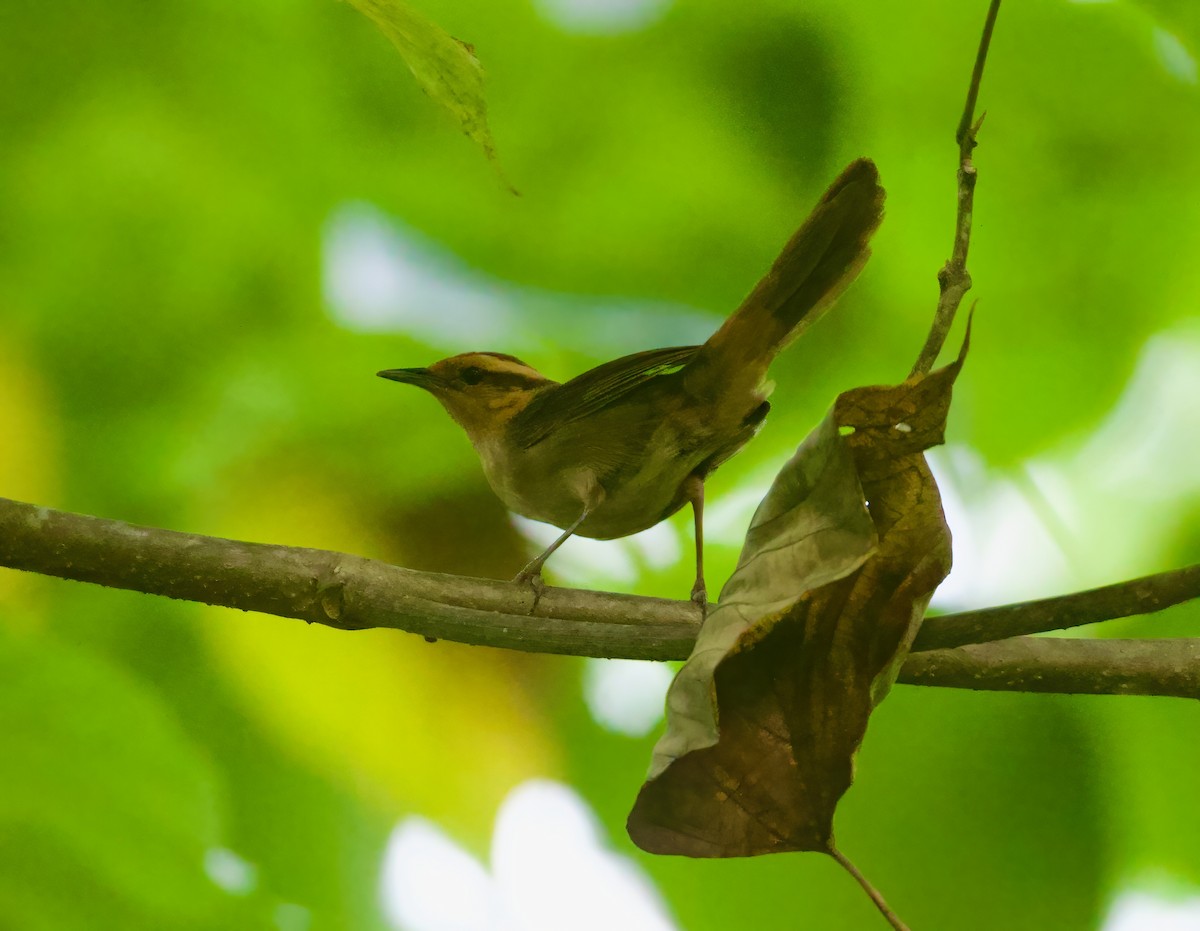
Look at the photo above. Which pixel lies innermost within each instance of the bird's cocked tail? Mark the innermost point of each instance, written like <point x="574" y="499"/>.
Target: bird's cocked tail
<point x="816" y="265"/>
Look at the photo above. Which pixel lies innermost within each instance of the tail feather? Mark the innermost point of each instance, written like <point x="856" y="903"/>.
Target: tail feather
<point x="818" y="263"/>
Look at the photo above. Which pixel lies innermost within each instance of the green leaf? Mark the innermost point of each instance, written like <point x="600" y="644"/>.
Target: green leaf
<point x="106" y="810"/>
<point x="841" y="559"/>
<point x="445" y="67"/>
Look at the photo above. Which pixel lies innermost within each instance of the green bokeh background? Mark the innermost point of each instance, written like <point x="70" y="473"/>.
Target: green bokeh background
<point x="168" y="176"/>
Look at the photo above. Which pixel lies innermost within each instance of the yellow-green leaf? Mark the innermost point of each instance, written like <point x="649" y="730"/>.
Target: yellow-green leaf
<point x="445" y="67"/>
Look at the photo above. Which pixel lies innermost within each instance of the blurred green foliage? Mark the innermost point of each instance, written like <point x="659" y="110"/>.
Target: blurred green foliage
<point x="168" y="177"/>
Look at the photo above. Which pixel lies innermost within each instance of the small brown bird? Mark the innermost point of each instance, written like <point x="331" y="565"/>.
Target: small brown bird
<point x="624" y="445"/>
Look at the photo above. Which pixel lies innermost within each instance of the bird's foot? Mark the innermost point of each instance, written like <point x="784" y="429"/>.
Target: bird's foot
<point x="531" y="575"/>
<point x="700" y="596"/>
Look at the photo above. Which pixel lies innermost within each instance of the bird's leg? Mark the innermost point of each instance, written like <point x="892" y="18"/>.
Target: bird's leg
<point x="532" y="573"/>
<point x="695" y="492"/>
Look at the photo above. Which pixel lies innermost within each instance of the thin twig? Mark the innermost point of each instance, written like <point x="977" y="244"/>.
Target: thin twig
<point x="1146" y="595"/>
<point x="876" y="897"/>
<point x="954" y="281"/>
<point x="352" y="593"/>
<point x="1065" y="665"/>
<point x="967" y="128"/>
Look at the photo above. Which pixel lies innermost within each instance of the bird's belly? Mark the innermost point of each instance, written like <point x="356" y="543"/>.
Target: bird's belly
<point x="639" y="504"/>
<point x="547" y="486"/>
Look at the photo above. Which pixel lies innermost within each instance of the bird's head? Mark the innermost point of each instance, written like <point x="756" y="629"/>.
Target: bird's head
<point x="482" y="391"/>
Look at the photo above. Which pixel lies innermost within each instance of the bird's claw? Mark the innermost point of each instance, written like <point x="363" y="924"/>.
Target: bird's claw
<point x="533" y="578"/>
<point x="700" y="597"/>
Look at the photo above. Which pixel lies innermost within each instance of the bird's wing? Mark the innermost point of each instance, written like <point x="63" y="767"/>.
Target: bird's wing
<point x="594" y="390"/>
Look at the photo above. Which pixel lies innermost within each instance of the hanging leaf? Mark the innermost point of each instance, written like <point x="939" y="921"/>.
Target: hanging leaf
<point x="445" y="67"/>
<point x="839" y="565"/>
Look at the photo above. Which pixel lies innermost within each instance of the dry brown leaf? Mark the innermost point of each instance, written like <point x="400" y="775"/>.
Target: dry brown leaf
<point x="839" y="565"/>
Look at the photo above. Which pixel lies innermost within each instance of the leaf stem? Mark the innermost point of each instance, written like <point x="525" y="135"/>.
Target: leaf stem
<point x="876" y="897"/>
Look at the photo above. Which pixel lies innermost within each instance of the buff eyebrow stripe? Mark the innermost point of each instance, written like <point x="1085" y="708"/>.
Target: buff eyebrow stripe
<point x="511" y="379"/>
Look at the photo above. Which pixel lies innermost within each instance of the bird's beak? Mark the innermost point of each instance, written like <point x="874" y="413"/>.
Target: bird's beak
<point x="422" y="378"/>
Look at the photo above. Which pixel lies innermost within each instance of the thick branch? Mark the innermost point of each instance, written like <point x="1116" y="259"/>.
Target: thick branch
<point x="351" y="593"/>
<point x="340" y="590"/>
<point x="954" y="281"/>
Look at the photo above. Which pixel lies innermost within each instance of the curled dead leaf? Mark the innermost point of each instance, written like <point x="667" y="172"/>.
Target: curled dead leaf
<point x="840" y="562"/>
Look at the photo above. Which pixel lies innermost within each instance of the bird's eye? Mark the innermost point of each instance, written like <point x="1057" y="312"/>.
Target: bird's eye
<point x="472" y="375"/>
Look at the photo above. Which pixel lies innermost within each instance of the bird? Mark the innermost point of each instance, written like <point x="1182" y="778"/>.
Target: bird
<point x="625" y="445"/>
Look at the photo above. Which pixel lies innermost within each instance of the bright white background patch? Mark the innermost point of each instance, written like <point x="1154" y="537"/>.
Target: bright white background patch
<point x="379" y="275"/>
<point x="1174" y="56"/>
<point x="603" y="16"/>
<point x="229" y="871"/>
<point x="626" y="696"/>
<point x="581" y="561"/>
<point x="432" y="884"/>
<point x="550" y="871"/>
<point x="1141" y="911"/>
